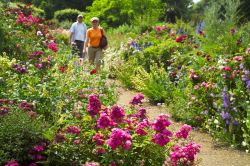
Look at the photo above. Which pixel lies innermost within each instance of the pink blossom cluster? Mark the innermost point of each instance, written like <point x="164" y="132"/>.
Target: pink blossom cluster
<point x="94" y="105"/>
<point x="27" y="20"/>
<point x="53" y="47"/>
<point x="12" y="163"/>
<point x="141" y="127"/>
<point x="117" y="113"/>
<point x="161" y="28"/>
<point x="137" y="99"/>
<point x="104" y="121"/>
<point x="238" y="58"/>
<point x="36" y="152"/>
<point x="19" y="68"/>
<point x="206" y="84"/>
<point x="91" y="164"/>
<point x="120" y="138"/>
<point x="26" y="106"/>
<point x="193" y="75"/>
<point x="73" y="129"/>
<point x="162" y="134"/>
<point x="183" y="131"/>
<point x="99" y="139"/>
<point x="141" y="113"/>
<point x="184" y="155"/>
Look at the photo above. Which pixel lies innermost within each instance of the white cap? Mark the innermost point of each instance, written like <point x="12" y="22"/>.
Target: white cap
<point x="94" y="19"/>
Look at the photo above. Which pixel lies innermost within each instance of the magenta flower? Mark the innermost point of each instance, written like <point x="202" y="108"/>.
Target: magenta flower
<point x="141" y="113"/>
<point x="226" y="68"/>
<point x="77" y="141"/>
<point x="12" y="163"/>
<point x="137" y="99"/>
<point x="100" y="150"/>
<point x="161" y="139"/>
<point x="161" y="123"/>
<point x="91" y="164"/>
<point x="26" y="106"/>
<point x="104" y="121"/>
<point x="73" y="129"/>
<point x="141" y="128"/>
<point x="99" y="139"/>
<point x="53" y="47"/>
<point x="39" y="65"/>
<point x="183" y="131"/>
<point x="117" y="113"/>
<point x="38" y="148"/>
<point x="120" y="138"/>
<point x="33" y="164"/>
<point x="184" y="155"/>
<point x="94" y="105"/>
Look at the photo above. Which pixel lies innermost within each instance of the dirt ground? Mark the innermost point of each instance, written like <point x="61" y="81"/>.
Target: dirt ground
<point x="210" y="155"/>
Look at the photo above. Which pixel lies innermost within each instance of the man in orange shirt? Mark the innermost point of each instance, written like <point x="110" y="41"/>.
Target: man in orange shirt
<point x="93" y="38"/>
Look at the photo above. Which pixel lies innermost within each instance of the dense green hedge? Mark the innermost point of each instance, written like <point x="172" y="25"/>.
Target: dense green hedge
<point x="66" y="14"/>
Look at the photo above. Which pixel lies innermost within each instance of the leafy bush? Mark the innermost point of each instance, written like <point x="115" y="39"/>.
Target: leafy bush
<point x="18" y="134"/>
<point x="66" y="14"/>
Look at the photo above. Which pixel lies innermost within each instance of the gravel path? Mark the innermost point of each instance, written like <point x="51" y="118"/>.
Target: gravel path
<point x="210" y="155"/>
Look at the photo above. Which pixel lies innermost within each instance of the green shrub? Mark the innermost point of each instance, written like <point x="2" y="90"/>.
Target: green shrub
<point x="66" y="14"/>
<point x="18" y="134"/>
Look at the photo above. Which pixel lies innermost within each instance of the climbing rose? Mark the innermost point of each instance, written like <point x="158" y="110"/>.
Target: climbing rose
<point x="94" y="105"/>
<point x="117" y="113"/>
<point x="183" y="131"/>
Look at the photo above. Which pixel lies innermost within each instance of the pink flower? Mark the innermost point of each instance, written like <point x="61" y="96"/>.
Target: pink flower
<point x="12" y="163"/>
<point x="99" y="139"/>
<point x="26" y="106"/>
<point x="3" y="110"/>
<point x="100" y="150"/>
<point x="137" y="99"/>
<point x="77" y="141"/>
<point x="73" y="129"/>
<point x="94" y="105"/>
<point x="120" y="138"/>
<point x="91" y="164"/>
<point x="53" y="47"/>
<point x="117" y="113"/>
<point x="226" y="68"/>
<point x="196" y="87"/>
<point x="238" y="58"/>
<point x="248" y="51"/>
<point x="112" y="163"/>
<point x="179" y="39"/>
<point x="183" y="131"/>
<point x="38" y="148"/>
<point x="141" y="128"/>
<point x="141" y="113"/>
<point x="161" y="139"/>
<point x="104" y="121"/>
<point x="184" y="155"/>
<point x="161" y="123"/>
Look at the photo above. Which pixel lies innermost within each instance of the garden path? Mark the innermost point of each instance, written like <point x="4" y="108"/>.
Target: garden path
<point x="210" y="155"/>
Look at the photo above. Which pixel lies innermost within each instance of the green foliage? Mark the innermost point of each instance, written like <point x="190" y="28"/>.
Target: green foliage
<point x="115" y="13"/>
<point x="66" y="14"/>
<point x="18" y="134"/>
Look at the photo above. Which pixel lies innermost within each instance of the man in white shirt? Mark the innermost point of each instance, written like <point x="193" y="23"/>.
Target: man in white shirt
<point x="78" y="36"/>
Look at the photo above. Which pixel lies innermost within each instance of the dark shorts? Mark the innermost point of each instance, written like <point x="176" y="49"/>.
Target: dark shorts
<point x="78" y="48"/>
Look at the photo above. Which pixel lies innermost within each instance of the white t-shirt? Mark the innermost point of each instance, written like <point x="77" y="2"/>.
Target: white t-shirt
<point x="79" y="31"/>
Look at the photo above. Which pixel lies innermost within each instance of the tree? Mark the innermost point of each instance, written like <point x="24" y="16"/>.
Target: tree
<point x="176" y="8"/>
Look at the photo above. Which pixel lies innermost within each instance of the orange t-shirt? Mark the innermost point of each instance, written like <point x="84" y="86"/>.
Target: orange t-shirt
<point x="94" y="36"/>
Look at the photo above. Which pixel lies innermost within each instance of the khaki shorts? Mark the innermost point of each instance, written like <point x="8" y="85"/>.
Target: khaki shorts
<point x="95" y="55"/>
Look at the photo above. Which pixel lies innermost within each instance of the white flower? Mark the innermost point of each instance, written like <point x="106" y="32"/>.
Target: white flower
<point x="216" y="121"/>
<point x="39" y="33"/>
<point x="244" y="143"/>
<point x="247" y="151"/>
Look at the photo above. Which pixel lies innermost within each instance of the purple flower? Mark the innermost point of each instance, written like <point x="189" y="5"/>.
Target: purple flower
<point x="226" y="102"/>
<point x="117" y="113"/>
<point x="141" y="113"/>
<point x="73" y="129"/>
<point x="248" y="84"/>
<point x="3" y="110"/>
<point x="38" y="65"/>
<point x="94" y="105"/>
<point x="19" y="69"/>
<point x="225" y="115"/>
<point x="137" y="99"/>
